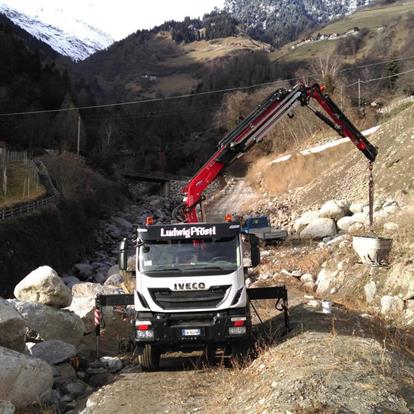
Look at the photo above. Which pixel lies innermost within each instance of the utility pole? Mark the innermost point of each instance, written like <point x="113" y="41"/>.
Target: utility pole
<point x="359" y="94"/>
<point x="79" y="129"/>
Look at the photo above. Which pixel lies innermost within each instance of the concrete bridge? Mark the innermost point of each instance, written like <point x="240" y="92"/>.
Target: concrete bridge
<point x="155" y="177"/>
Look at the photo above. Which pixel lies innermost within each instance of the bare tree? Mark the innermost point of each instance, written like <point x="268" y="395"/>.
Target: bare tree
<point x="324" y="65"/>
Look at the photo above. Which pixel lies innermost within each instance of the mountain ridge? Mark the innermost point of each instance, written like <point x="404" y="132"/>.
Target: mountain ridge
<point x="280" y="21"/>
<point x="67" y="36"/>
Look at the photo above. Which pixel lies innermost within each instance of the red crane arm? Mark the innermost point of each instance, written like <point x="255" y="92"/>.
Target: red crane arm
<point x="254" y="127"/>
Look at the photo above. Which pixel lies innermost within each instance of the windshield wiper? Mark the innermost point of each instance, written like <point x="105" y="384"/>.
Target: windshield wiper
<point x="214" y="268"/>
<point x="165" y="269"/>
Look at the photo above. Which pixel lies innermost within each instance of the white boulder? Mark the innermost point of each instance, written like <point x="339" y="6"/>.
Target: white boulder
<point x="391" y="227"/>
<point x="44" y="286"/>
<point x="361" y="218"/>
<point x="114" y="280"/>
<point x="50" y="323"/>
<point x="83" y="303"/>
<point x="334" y="209"/>
<point x="305" y="219"/>
<point x="12" y="327"/>
<point x="91" y="290"/>
<point x="23" y="379"/>
<point x="306" y="278"/>
<point x="112" y="363"/>
<point x="356" y="208"/>
<point x="319" y="228"/>
<point x="326" y="280"/>
<point x="370" y="290"/>
<point x="391" y="305"/>
<point x="345" y="222"/>
<point x="356" y="228"/>
<point x="392" y="208"/>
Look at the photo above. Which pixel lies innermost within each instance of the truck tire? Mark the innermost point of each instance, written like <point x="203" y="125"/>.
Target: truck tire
<point x="150" y="358"/>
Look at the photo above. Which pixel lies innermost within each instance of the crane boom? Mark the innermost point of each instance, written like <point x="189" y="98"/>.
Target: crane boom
<point x="255" y="126"/>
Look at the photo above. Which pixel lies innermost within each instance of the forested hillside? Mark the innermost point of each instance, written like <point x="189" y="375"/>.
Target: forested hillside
<point x="193" y="57"/>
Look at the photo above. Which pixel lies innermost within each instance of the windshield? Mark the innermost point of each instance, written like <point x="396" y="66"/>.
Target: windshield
<point x="180" y="256"/>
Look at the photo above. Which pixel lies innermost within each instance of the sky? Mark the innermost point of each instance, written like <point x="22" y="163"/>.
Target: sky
<point x="119" y="18"/>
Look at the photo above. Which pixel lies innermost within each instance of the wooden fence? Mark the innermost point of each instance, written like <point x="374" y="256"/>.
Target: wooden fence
<point x="31" y="206"/>
<point x="27" y="208"/>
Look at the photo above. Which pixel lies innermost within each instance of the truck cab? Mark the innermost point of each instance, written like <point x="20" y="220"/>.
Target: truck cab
<point x="260" y="226"/>
<point x="190" y="288"/>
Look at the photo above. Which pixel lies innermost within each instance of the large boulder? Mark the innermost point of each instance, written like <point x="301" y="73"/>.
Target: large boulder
<point x="362" y="217"/>
<point x="305" y="219"/>
<point x="356" y="208"/>
<point x="391" y="305"/>
<point x="50" y="323"/>
<point x="12" y="327"/>
<point x="83" y="303"/>
<point x="23" y="379"/>
<point x="327" y="280"/>
<point x="91" y="290"/>
<point x="53" y="352"/>
<point x="319" y="228"/>
<point x="114" y="280"/>
<point x="44" y="286"/>
<point x="334" y="209"/>
<point x="345" y="223"/>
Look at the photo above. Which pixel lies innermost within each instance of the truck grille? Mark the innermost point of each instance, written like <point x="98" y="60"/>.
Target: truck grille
<point x="189" y="299"/>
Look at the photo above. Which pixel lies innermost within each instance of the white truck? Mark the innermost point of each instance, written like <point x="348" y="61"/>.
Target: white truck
<point x="190" y="290"/>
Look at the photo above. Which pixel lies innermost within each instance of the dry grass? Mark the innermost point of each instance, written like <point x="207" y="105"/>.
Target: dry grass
<point x="17" y="173"/>
<point x="207" y="50"/>
<point x="299" y="170"/>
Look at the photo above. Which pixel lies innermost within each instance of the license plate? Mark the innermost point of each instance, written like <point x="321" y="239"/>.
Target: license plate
<point x="191" y="332"/>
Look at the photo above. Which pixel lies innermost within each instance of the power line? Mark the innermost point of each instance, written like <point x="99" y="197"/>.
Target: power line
<point x="191" y="95"/>
<point x="168" y="98"/>
<point x="376" y="64"/>
<point x="381" y="78"/>
<point x="146" y="115"/>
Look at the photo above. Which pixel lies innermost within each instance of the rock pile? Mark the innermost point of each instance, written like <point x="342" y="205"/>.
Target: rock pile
<point x="336" y="216"/>
<point x="110" y="231"/>
<point x="41" y="342"/>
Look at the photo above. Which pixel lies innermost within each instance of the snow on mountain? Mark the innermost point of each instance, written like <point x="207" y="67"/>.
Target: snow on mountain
<point x="65" y="34"/>
<point x="280" y="21"/>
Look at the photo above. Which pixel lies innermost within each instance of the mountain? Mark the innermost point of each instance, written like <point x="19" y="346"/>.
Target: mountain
<point x="280" y="21"/>
<point x="65" y="34"/>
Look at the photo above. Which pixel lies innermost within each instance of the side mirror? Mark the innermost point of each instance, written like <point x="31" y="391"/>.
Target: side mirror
<point x="254" y="250"/>
<point x="123" y="257"/>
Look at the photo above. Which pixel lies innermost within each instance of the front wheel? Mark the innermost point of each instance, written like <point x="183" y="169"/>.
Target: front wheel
<point x="150" y="358"/>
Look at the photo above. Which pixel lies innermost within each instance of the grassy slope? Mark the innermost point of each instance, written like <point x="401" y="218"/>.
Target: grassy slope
<point x="17" y="173"/>
<point x="178" y="67"/>
<point x="370" y="18"/>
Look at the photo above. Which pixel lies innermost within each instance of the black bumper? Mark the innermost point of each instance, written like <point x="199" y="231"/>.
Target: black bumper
<point x="214" y="327"/>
